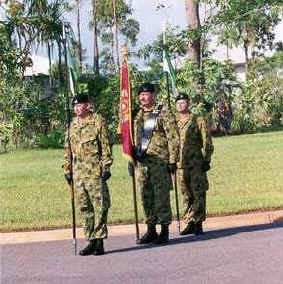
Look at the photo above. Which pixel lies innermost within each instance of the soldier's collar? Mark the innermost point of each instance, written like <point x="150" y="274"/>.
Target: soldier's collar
<point x="148" y="109"/>
<point x="188" y="116"/>
<point x="84" y="120"/>
<point x="155" y="107"/>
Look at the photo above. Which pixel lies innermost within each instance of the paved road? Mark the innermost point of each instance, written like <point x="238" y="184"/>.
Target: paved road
<point x="246" y="254"/>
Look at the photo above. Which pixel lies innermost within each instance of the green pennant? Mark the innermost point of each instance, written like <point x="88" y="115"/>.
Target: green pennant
<point x="168" y="67"/>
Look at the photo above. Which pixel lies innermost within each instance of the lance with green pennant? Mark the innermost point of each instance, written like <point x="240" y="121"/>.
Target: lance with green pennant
<point x="125" y="125"/>
<point x="168" y="68"/>
<point x="73" y="73"/>
<point x="70" y="87"/>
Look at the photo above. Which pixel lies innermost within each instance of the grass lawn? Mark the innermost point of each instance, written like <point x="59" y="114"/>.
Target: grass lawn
<point x="246" y="175"/>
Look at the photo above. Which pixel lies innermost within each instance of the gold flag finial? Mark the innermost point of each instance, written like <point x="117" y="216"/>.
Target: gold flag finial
<point x="125" y="51"/>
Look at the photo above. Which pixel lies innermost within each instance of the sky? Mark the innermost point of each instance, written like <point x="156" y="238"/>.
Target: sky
<point x="151" y="24"/>
<point x="151" y="21"/>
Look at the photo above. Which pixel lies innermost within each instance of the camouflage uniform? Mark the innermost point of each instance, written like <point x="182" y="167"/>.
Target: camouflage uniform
<point x="91" y="155"/>
<point x="152" y="175"/>
<point x="195" y="147"/>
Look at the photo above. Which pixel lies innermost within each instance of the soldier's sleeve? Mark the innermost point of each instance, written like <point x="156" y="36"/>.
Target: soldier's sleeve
<point x="207" y="146"/>
<point x="172" y="134"/>
<point x="106" y="152"/>
<point x="67" y="156"/>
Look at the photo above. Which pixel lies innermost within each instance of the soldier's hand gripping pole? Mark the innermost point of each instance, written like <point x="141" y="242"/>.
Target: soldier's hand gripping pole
<point x="71" y="184"/>
<point x="174" y="175"/>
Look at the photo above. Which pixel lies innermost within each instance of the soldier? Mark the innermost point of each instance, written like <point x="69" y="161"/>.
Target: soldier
<point x="195" y="153"/>
<point x="156" y="142"/>
<point x="92" y="158"/>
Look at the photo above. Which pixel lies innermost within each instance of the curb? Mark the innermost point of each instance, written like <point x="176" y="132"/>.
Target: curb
<point x="211" y="223"/>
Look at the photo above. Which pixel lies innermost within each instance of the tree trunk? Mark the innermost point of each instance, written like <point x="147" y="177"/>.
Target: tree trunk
<point x="49" y="61"/>
<point x="246" y="49"/>
<point x="113" y="54"/>
<point x="116" y="39"/>
<point x="95" y="40"/>
<point x="60" y="65"/>
<point x="227" y="50"/>
<point x="246" y="46"/>
<point x="79" y="32"/>
<point x="192" y="12"/>
<point x="95" y="51"/>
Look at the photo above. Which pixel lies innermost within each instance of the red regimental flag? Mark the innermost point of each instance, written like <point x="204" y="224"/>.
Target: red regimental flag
<point x="125" y="123"/>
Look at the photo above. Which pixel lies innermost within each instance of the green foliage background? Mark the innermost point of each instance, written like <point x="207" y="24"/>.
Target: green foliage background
<point x="33" y="115"/>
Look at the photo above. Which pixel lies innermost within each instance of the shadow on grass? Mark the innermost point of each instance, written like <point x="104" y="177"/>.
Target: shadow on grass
<point x="209" y="235"/>
<point x="269" y="129"/>
<point x="274" y="128"/>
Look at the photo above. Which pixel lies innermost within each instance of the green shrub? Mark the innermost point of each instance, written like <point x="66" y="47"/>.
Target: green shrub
<point x="53" y="140"/>
<point x="6" y="134"/>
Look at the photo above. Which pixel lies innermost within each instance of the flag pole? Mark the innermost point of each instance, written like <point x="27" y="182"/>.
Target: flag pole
<point x="135" y="206"/>
<point x="69" y="147"/>
<point x="125" y="126"/>
<point x="167" y="70"/>
<point x="177" y="200"/>
<point x="168" y="91"/>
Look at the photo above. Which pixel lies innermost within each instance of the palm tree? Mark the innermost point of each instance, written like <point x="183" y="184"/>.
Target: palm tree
<point x="49" y="15"/>
<point x="112" y="17"/>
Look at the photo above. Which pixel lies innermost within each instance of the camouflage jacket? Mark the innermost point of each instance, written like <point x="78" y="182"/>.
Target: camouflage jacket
<point x="195" y="141"/>
<point x="164" y="142"/>
<point x="91" y="151"/>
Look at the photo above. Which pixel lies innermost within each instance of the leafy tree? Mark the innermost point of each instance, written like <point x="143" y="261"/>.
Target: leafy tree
<point x="249" y="24"/>
<point x="112" y="20"/>
<point x="12" y="60"/>
<point x="49" y="16"/>
<point x="264" y="87"/>
<point x="276" y="60"/>
<point x="20" y="101"/>
<point x="33" y="22"/>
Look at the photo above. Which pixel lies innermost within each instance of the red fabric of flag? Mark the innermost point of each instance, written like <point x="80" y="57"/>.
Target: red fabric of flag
<point x="125" y="123"/>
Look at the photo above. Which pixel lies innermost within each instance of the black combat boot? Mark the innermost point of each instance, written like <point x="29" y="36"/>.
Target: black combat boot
<point x="99" y="249"/>
<point x="163" y="237"/>
<point x="198" y="229"/>
<point x="89" y="249"/>
<point x="149" y="236"/>
<point x="189" y="229"/>
<point x="193" y="228"/>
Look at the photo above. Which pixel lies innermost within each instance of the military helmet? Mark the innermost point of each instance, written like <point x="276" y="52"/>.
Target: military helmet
<point x="182" y="96"/>
<point x="146" y="87"/>
<point x="80" y="99"/>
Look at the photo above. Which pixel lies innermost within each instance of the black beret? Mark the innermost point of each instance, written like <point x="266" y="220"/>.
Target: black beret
<point x="146" y="87"/>
<point x="79" y="99"/>
<point x="182" y="96"/>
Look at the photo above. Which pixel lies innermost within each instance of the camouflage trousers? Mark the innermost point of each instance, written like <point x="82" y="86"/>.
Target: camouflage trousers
<point x="193" y="185"/>
<point x="154" y="183"/>
<point x="94" y="201"/>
